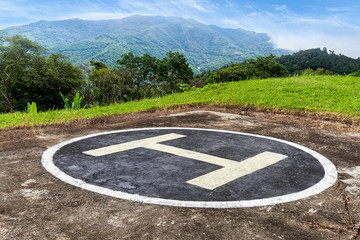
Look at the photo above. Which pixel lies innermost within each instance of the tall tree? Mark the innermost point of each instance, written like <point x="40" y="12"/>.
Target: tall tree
<point x="5" y="91"/>
<point x="109" y="84"/>
<point x="45" y="78"/>
<point x="140" y="69"/>
<point x="16" y="55"/>
<point x="173" y="70"/>
<point x="27" y="75"/>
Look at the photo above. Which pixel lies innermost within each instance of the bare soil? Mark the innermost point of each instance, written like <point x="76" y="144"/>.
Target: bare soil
<point x="36" y="205"/>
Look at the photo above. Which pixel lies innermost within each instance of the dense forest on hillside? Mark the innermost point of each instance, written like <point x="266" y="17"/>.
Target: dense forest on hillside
<point x="317" y="58"/>
<point x="306" y="62"/>
<point x="206" y="47"/>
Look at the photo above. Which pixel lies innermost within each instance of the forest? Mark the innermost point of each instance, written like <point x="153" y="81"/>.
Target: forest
<point x="319" y="58"/>
<point x="305" y="62"/>
<point x="29" y="73"/>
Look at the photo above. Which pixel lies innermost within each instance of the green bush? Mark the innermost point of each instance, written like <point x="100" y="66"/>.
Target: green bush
<point x="259" y="68"/>
<point x="355" y="74"/>
<point x="319" y="71"/>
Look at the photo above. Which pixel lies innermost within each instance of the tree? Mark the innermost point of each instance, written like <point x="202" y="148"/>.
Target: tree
<point x="109" y="85"/>
<point x="16" y="54"/>
<point x="173" y="70"/>
<point x="45" y="78"/>
<point x="234" y="72"/>
<point x="98" y="65"/>
<point x="5" y="91"/>
<point x="29" y="76"/>
<point x="139" y="69"/>
<point x="264" y="67"/>
<point x="138" y="77"/>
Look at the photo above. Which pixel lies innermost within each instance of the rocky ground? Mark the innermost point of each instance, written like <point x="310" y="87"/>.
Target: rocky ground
<point x="36" y="205"/>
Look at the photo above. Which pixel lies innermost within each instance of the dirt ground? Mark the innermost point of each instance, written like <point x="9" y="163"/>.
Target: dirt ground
<point x="36" y="205"/>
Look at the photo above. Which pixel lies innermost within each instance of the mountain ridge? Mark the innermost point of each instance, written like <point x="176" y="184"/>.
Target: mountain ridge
<point x="205" y="46"/>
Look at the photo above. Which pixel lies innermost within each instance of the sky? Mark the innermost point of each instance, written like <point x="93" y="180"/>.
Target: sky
<point x="292" y="24"/>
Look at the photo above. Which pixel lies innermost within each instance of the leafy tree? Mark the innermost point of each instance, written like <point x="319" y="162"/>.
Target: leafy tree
<point x="149" y="76"/>
<point x="45" y="78"/>
<point x="109" y="85"/>
<point x="16" y="54"/>
<point x="173" y="70"/>
<point x="28" y="76"/>
<point x="137" y="77"/>
<point x="234" y="72"/>
<point x="139" y="69"/>
<point x="98" y="65"/>
<point x="264" y="67"/>
<point x="5" y="98"/>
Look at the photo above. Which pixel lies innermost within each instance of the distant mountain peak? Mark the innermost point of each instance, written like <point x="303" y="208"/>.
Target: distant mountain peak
<point x="205" y="46"/>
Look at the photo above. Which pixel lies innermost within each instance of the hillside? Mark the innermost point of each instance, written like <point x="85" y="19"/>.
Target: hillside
<point x="205" y="46"/>
<point x="335" y="95"/>
<point x="317" y="58"/>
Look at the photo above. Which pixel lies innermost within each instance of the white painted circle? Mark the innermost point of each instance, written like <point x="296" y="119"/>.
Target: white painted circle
<point x="328" y="180"/>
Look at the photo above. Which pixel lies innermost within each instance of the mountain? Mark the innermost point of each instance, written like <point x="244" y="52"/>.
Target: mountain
<point x="206" y="47"/>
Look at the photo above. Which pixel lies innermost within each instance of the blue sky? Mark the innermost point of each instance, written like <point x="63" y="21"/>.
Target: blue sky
<point x="291" y="24"/>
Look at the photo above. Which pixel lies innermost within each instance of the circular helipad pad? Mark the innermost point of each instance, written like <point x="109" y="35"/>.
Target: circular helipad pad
<point x="191" y="167"/>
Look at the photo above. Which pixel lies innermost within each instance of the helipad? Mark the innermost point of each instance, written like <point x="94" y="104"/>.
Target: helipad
<point x="191" y="167"/>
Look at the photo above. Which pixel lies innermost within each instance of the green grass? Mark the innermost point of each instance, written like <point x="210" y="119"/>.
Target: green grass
<point x="330" y="94"/>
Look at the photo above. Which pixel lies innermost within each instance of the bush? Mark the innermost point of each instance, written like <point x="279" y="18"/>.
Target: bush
<point x="259" y="68"/>
<point x="355" y="74"/>
<point x="319" y="71"/>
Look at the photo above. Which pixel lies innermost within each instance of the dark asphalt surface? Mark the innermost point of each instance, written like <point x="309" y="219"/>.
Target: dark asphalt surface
<point x="157" y="174"/>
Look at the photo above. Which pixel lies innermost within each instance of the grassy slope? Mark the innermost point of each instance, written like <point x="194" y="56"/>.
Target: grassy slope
<point x="334" y="94"/>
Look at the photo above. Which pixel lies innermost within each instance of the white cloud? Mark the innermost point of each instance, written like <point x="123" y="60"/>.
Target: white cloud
<point x="281" y="8"/>
<point x="231" y="23"/>
<point x="180" y="8"/>
<point x="197" y="5"/>
<point x="295" y="32"/>
<point x="98" y="15"/>
<point x="338" y="9"/>
<point x="336" y="28"/>
<point x="6" y="6"/>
